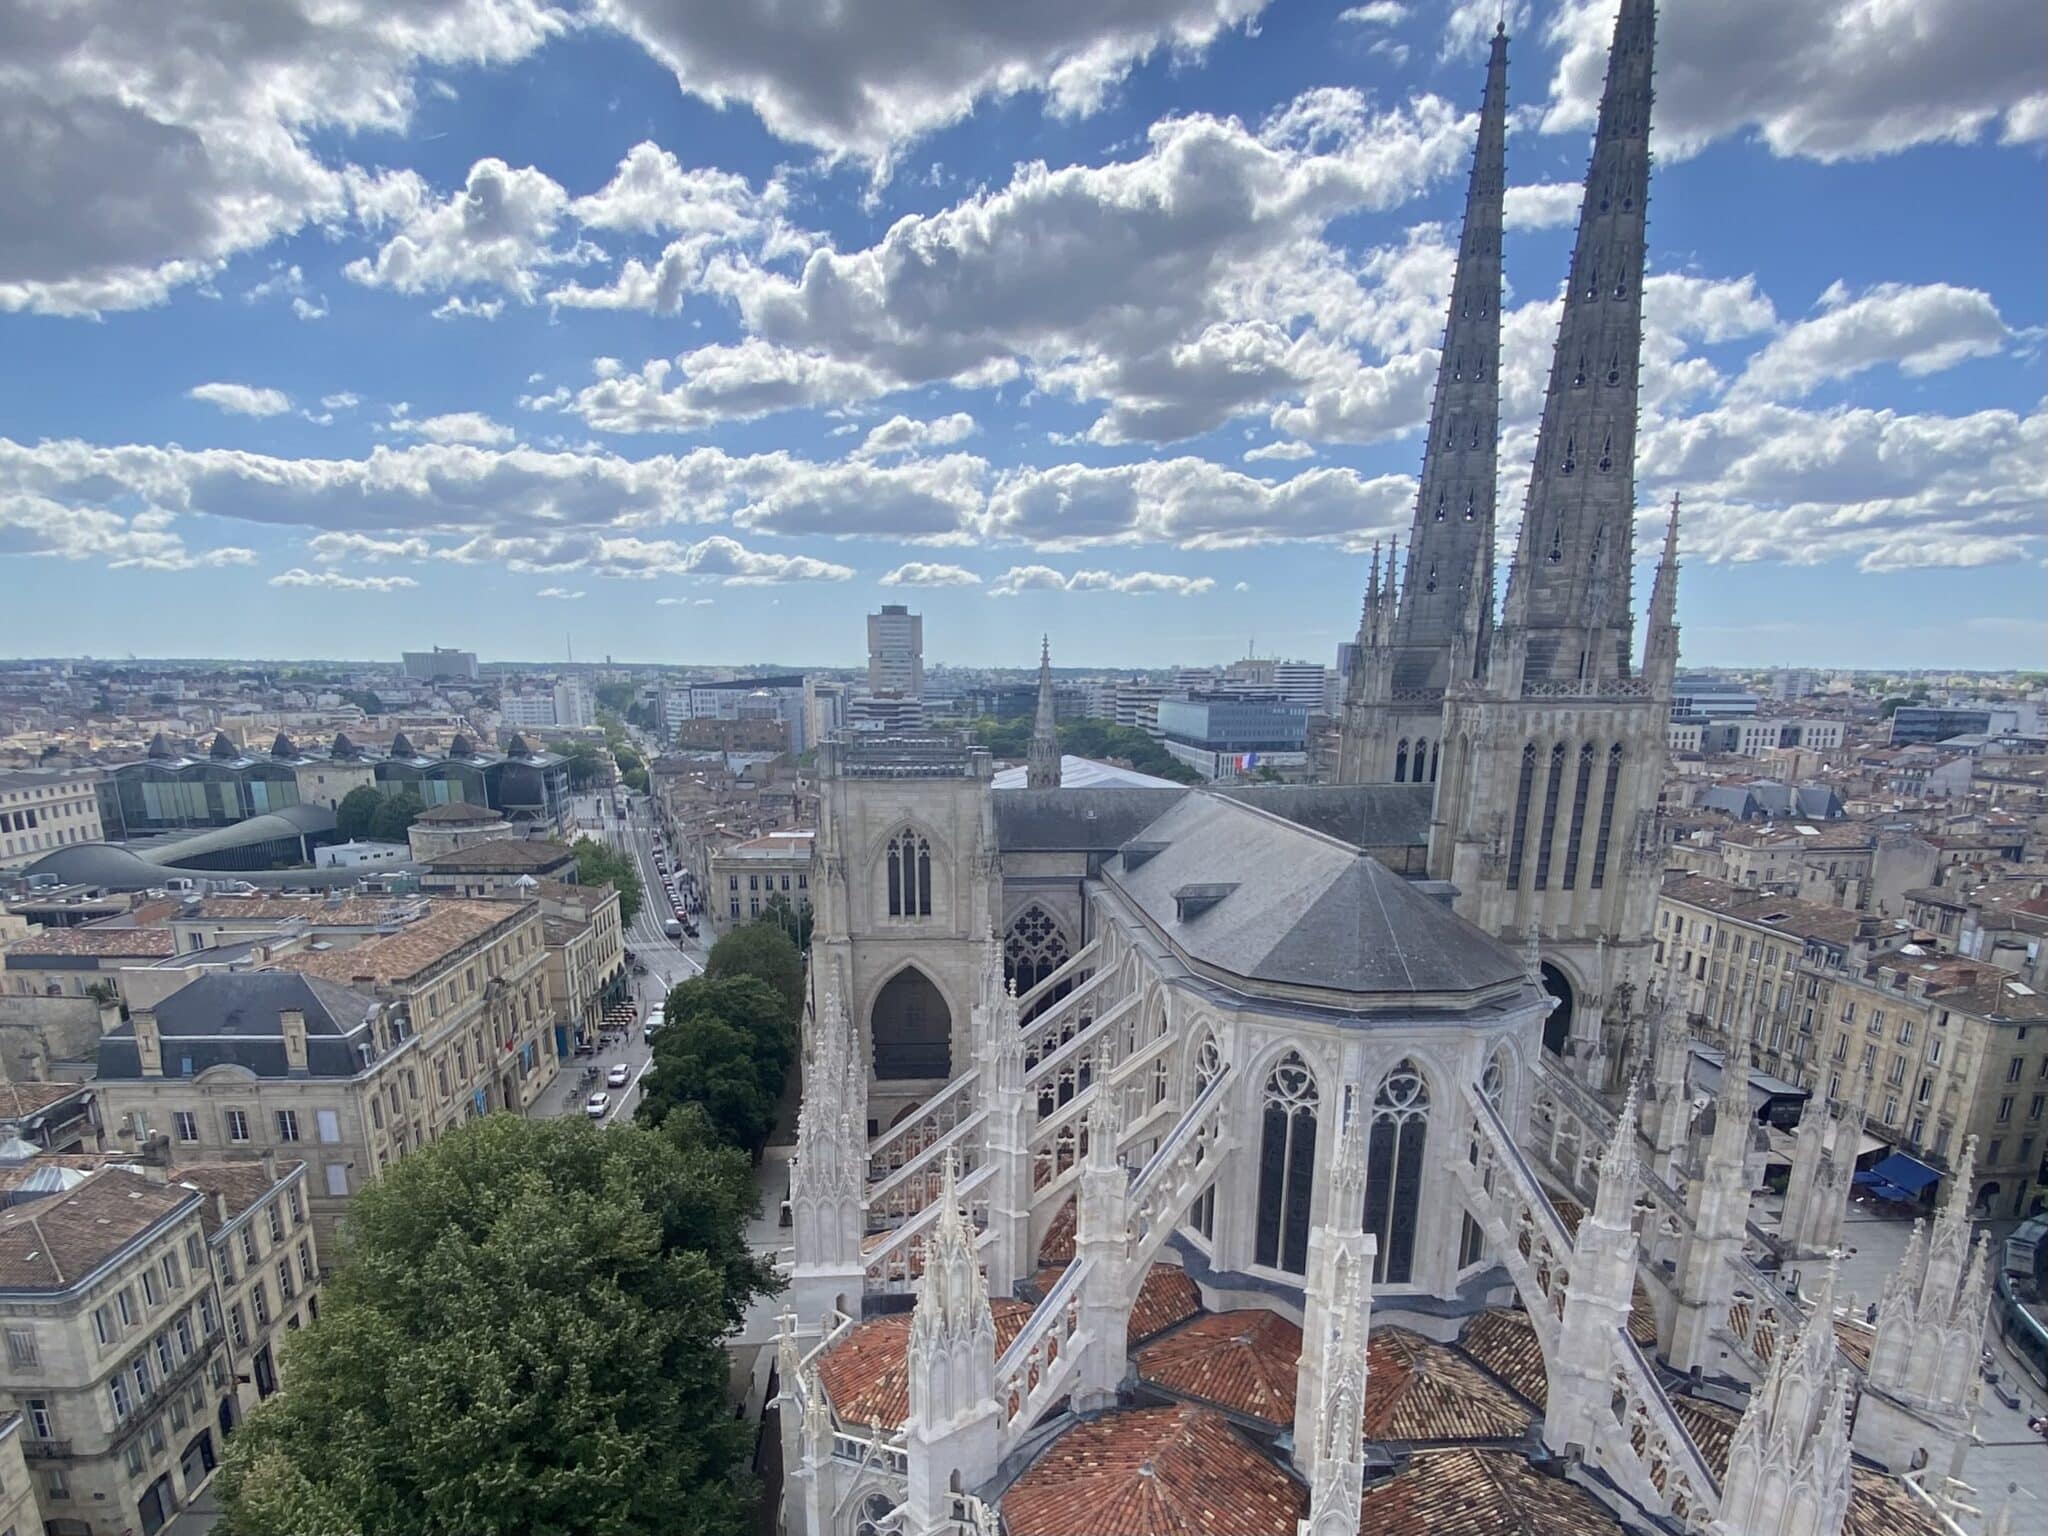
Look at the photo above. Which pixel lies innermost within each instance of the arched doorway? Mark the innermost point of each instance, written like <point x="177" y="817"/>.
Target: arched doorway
<point x="1558" y="1027"/>
<point x="912" y="1028"/>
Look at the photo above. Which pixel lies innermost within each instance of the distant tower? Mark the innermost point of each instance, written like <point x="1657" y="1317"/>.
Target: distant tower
<point x="951" y="1434"/>
<point x="1921" y="1389"/>
<point x="1554" y="752"/>
<point x="1042" y="770"/>
<point x="1393" y="711"/>
<point x="1789" y="1463"/>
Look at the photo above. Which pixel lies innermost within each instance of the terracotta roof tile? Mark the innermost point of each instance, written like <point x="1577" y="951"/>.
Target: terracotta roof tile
<point x="20" y="1100"/>
<point x="1057" y="1246"/>
<point x="1854" y="1340"/>
<point x="1880" y="1506"/>
<point x="1176" y="1471"/>
<point x="1712" y="1428"/>
<point x="240" y="1185"/>
<point x="867" y="1374"/>
<point x="1504" y="1341"/>
<point x="416" y="947"/>
<point x="1244" y="1361"/>
<point x="50" y="1244"/>
<point x="107" y="943"/>
<point x="1167" y="1297"/>
<point x="1417" y="1389"/>
<point x="1466" y="1492"/>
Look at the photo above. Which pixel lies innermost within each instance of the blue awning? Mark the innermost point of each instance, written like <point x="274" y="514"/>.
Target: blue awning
<point x="1899" y="1177"/>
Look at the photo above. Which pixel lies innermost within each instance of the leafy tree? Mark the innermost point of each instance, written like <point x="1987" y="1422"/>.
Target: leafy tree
<point x="585" y="761"/>
<point x="395" y="813"/>
<point x="602" y="864"/>
<point x="794" y="921"/>
<point x="761" y="949"/>
<point x="751" y="1006"/>
<point x="524" y="1338"/>
<point x="706" y="1062"/>
<point x="615" y="697"/>
<point x="640" y="714"/>
<point x="364" y="700"/>
<point x="357" y="814"/>
<point x="635" y="780"/>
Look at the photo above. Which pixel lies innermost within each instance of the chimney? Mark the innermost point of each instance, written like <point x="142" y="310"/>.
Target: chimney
<point x="293" y="1023"/>
<point x="149" y="1047"/>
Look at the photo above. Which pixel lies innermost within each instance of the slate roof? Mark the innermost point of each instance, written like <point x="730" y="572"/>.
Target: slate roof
<point x="1364" y="815"/>
<point x="52" y="1244"/>
<point x="457" y="813"/>
<point x="242" y="1186"/>
<point x="867" y="1373"/>
<point x="503" y="855"/>
<point x="234" y="1018"/>
<point x="1072" y="820"/>
<point x="1305" y="909"/>
<point x="1174" y="1471"/>
<point x="1468" y="1492"/>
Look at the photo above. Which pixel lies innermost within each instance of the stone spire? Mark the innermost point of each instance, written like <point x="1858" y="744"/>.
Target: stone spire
<point x="1575" y="545"/>
<point x="1329" y="1397"/>
<point x="1660" y="642"/>
<point x="1597" y="1298"/>
<point x="1669" y="1115"/>
<point x="1454" y="507"/>
<point x="828" y="1172"/>
<point x="1922" y="1379"/>
<point x="1789" y="1463"/>
<point x="1718" y="1203"/>
<point x="1042" y="768"/>
<point x="1817" y="1193"/>
<point x="999" y="1062"/>
<point x="1102" y="1219"/>
<point x="951" y="1434"/>
<point x="1413" y="624"/>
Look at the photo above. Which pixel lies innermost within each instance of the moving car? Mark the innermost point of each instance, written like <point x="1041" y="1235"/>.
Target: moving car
<point x="598" y="1105"/>
<point x="672" y="928"/>
<point x="618" y="1076"/>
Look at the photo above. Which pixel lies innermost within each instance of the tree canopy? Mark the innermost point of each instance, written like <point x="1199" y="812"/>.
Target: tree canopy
<point x="761" y="948"/>
<point x="1103" y="740"/>
<point x="395" y="815"/>
<point x="356" y="815"/>
<point x="586" y="763"/>
<point x="524" y="1337"/>
<point x="602" y="864"/>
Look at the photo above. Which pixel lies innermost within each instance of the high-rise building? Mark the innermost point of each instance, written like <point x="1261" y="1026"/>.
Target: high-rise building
<point x="438" y="664"/>
<point x="896" y="651"/>
<point x="574" y="703"/>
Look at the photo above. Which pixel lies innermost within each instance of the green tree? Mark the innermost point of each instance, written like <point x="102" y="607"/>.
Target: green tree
<point x="524" y="1338"/>
<point x="615" y="697"/>
<point x="395" y="813"/>
<point x="357" y="814"/>
<point x="706" y="1062"/>
<point x="794" y="921"/>
<point x="602" y="864"/>
<point x="751" y="1006"/>
<point x="761" y="949"/>
<point x="585" y="762"/>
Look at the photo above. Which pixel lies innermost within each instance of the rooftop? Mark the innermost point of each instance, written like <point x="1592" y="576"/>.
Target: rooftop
<point x="235" y="1018"/>
<point x="1802" y="919"/>
<point x="1971" y="986"/>
<point x="414" y="949"/>
<point x="1471" y="1492"/>
<point x="52" y="1244"/>
<point x="241" y="1186"/>
<point x="503" y="855"/>
<point x="1086" y="773"/>
<point x="457" y="813"/>
<point x="867" y="1373"/>
<point x="106" y="943"/>
<point x="18" y="1101"/>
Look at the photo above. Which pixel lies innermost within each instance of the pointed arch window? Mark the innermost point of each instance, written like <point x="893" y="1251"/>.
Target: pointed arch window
<point x="1547" y="834"/>
<point x="1493" y="1082"/>
<point x="874" y="1516"/>
<point x="1393" y="1176"/>
<point x="909" y="871"/>
<point x="1401" y="762"/>
<point x="1441" y="498"/>
<point x="1579" y="373"/>
<point x="1571" y="448"/>
<point x="1435" y="752"/>
<point x="1287" y="1166"/>
<point x="1471" y="505"/>
<point x="1607" y="453"/>
<point x="1578" y="826"/>
<point x="1033" y="948"/>
<point x="1429" y="582"/>
<point x="1614" y="369"/>
<point x="1521" y="830"/>
<point x="1606" y="815"/>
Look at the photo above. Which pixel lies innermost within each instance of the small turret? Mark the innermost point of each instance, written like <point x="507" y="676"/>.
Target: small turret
<point x="1660" y="644"/>
<point x="1042" y="767"/>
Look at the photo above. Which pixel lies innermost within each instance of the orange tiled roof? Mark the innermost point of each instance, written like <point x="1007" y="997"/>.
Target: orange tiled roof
<point x="1166" y="1297"/>
<point x="1244" y="1361"/>
<point x="105" y="943"/>
<point x="53" y="1243"/>
<point x="1467" y="1492"/>
<point x="1880" y="1506"/>
<point x="1057" y="1246"/>
<point x="1854" y="1340"/>
<point x="1176" y="1471"/>
<point x="867" y="1374"/>
<point x="1712" y="1428"/>
<point x="20" y="1100"/>
<point x="1417" y="1389"/>
<point x="417" y="947"/>
<point x="1504" y="1341"/>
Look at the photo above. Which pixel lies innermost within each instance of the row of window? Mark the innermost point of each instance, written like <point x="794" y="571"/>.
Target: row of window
<point x="767" y="882"/>
<point x="235" y="1125"/>
<point x="159" y="1283"/>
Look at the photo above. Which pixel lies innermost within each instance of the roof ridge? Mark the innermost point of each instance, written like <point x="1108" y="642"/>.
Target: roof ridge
<point x="36" y="1225"/>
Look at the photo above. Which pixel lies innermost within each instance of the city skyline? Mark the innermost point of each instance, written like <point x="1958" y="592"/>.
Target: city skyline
<point x="1125" y="339"/>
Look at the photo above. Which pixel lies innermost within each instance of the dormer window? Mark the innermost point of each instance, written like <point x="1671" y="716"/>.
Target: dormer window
<point x="1191" y="901"/>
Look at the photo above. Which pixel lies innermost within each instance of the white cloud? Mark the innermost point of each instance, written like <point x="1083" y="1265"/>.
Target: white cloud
<point x="1831" y="80"/>
<point x="149" y="144"/>
<point x="299" y="576"/>
<point x="1920" y="329"/>
<point x="344" y="401"/>
<point x="456" y="307"/>
<point x="1377" y="13"/>
<point x="1284" y="449"/>
<point x="497" y="231"/>
<point x="456" y="427"/>
<point x="849" y="81"/>
<point x="905" y="434"/>
<point x="242" y="399"/>
<point x="1541" y="205"/>
<point x="720" y="383"/>
<point x="684" y="602"/>
<point x="329" y="548"/>
<point x="1043" y="578"/>
<point x="562" y="594"/>
<point x="31" y="524"/>
<point x="919" y="574"/>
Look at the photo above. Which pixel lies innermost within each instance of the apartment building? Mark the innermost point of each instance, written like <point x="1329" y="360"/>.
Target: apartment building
<point x="116" y="1353"/>
<point x="348" y="1057"/>
<point x="20" y="1514"/>
<point x="747" y="876"/>
<point x="42" y="809"/>
<point x="265" y="1261"/>
<point x="586" y="956"/>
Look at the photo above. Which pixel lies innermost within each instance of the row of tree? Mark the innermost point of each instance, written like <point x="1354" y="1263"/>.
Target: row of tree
<point x="602" y="864"/>
<point x="1103" y="740"/>
<point x="367" y="813"/>
<point x="729" y="1039"/>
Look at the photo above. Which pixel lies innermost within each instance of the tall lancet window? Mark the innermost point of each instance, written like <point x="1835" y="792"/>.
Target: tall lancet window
<point x="1401" y="762"/>
<point x="1520" y="836"/>
<point x="1287" y="1166"/>
<point x="1393" y="1173"/>
<point x="910" y="875"/>
<point x="1606" y="815"/>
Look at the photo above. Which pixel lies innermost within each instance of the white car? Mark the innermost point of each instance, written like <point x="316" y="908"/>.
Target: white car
<point x="619" y="1076"/>
<point x="598" y="1105"/>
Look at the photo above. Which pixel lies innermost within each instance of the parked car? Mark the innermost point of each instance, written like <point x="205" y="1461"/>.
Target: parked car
<point x="618" y="1076"/>
<point x="598" y="1105"/>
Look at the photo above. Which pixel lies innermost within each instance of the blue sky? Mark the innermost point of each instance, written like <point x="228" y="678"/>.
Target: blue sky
<point x="662" y="331"/>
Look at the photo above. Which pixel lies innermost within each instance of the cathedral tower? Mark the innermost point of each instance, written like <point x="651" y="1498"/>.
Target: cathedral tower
<point x="1407" y="636"/>
<point x="1554" y="751"/>
<point x="1042" y="767"/>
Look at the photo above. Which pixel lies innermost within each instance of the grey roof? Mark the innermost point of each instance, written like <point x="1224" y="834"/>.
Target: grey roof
<point x="117" y="869"/>
<point x="232" y="1017"/>
<point x="1302" y="908"/>
<point x="1770" y="799"/>
<point x="289" y="821"/>
<point x="1363" y="815"/>
<point x="457" y="812"/>
<point x="1069" y="820"/>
